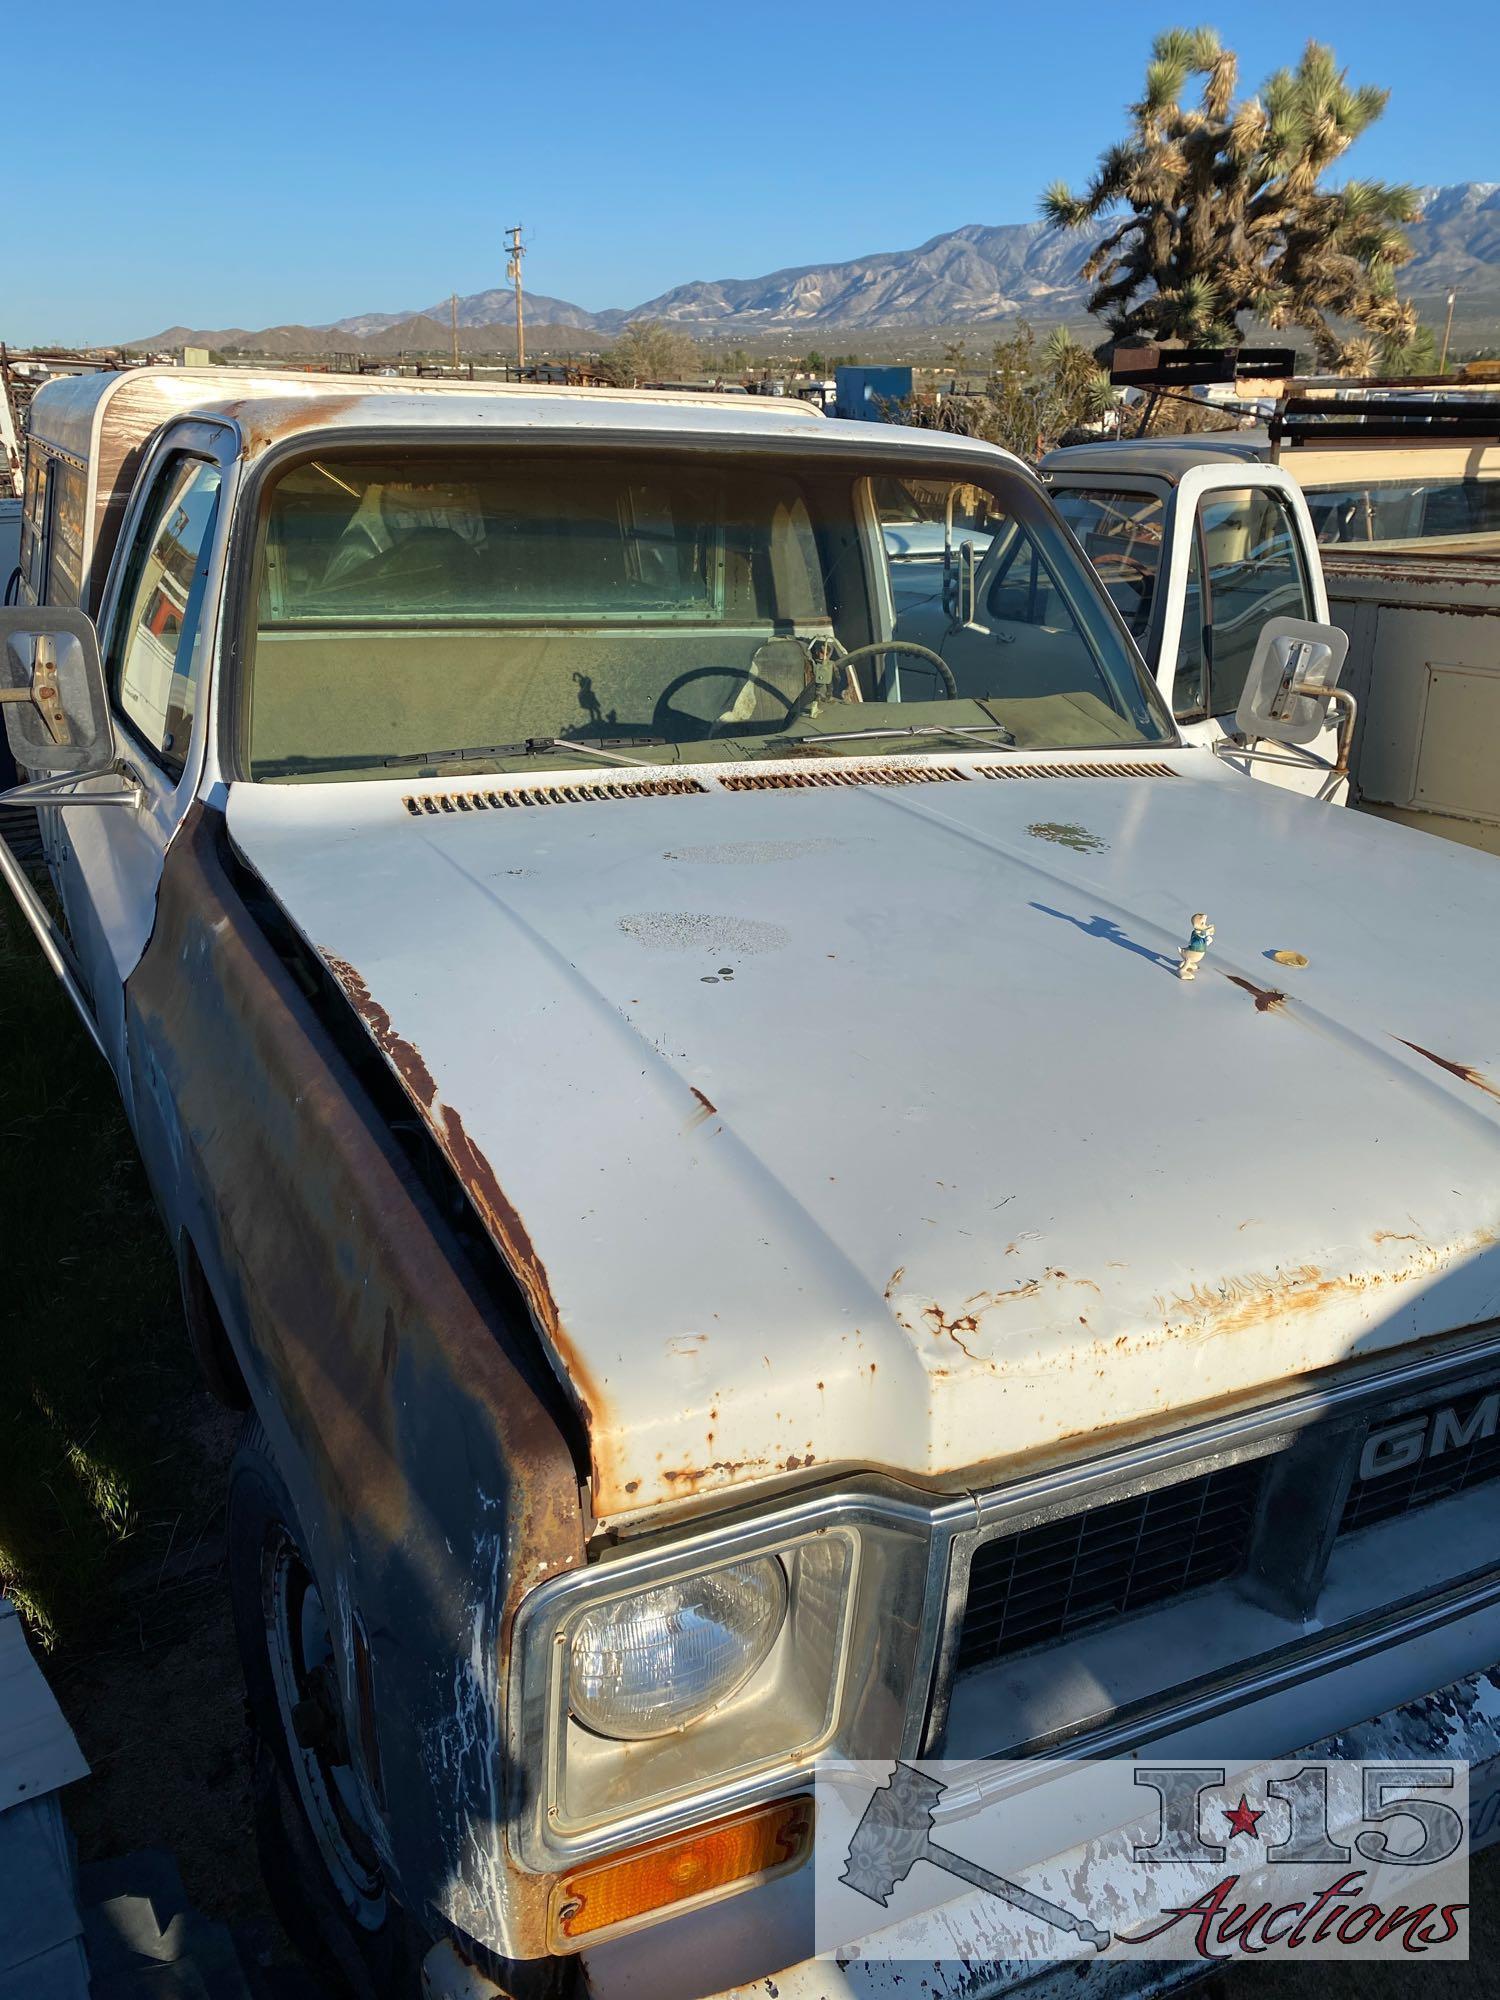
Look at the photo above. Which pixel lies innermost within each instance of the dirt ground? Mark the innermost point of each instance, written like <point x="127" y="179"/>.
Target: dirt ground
<point x="159" y="1708"/>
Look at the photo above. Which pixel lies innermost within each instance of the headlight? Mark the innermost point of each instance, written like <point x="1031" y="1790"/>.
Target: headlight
<point x="657" y="1660"/>
<point x="668" y="1684"/>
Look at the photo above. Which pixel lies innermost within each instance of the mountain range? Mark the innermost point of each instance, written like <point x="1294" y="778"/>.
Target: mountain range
<point x="965" y="277"/>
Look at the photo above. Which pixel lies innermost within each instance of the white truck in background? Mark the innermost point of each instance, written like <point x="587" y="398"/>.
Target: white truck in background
<point x="1150" y="516"/>
<point x="1381" y="512"/>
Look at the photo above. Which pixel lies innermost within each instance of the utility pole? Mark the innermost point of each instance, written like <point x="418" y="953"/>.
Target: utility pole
<point x="453" y="322"/>
<point x="1447" y="332"/>
<point x="517" y="251"/>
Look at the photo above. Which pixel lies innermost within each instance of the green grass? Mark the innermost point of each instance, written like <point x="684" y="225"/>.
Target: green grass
<point x="94" y="1369"/>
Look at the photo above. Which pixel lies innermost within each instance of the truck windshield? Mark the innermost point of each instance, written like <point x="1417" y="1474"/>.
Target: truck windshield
<point x="485" y="606"/>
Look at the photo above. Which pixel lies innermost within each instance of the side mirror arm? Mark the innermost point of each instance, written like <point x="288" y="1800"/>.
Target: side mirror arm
<point x="64" y="792"/>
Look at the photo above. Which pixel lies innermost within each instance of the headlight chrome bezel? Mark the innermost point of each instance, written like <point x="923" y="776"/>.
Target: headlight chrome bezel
<point x="874" y="1649"/>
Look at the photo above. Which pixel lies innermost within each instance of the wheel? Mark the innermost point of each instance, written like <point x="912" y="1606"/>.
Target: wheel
<point x="316" y="1855"/>
<point x="676" y="725"/>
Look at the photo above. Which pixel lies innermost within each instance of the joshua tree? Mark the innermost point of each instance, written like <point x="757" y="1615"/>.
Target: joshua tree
<point x="1034" y="396"/>
<point x="1034" y="400"/>
<point x="1226" y="217"/>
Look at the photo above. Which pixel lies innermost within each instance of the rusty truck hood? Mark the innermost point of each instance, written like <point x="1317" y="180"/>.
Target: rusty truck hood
<point x="871" y="1126"/>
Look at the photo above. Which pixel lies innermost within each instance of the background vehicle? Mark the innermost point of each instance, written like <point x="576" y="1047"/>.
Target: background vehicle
<point x="679" y="1121"/>
<point x="1196" y="552"/>
<point x="1399" y="541"/>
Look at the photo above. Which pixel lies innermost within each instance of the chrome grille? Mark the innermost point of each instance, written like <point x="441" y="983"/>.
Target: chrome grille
<point x="1459" y="1443"/>
<point x="1050" y="1581"/>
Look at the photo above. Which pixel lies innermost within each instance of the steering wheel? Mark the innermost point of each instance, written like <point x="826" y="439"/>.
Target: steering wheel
<point x="846" y="661"/>
<point x="665" y="718"/>
<point x="1118" y="566"/>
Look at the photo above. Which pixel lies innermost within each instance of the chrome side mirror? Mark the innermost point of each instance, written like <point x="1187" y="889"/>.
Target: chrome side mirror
<point x="56" y="709"/>
<point x="951" y="590"/>
<point x="52" y="688"/>
<point x="1293" y="680"/>
<point x="960" y="579"/>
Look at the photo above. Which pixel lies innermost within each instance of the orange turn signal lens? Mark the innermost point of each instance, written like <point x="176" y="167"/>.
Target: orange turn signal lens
<point x="712" y="1860"/>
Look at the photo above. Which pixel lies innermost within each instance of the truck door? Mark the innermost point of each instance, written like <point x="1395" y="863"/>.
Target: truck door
<point x="156" y="627"/>
<point x="1241" y="551"/>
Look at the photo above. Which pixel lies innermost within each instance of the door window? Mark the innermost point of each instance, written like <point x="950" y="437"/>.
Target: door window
<point x="33" y="523"/>
<point x="1254" y="572"/>
<point x="67" y="500"/>
<point x="153" y="662"/>
<point x="1121" y="534"/>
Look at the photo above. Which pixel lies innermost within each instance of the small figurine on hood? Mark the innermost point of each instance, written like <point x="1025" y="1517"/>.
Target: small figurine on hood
<point x="1191" y="954"/>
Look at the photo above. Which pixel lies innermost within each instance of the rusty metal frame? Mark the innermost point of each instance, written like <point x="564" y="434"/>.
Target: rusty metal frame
<point x="1231" y="747"/>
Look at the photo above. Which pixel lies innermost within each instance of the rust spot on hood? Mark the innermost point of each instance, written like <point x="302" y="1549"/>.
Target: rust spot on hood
<point x="403" y="1057"/>
<point x="1239" y="1303"/>
<point x="1463" y="1071"/>
<point x="952" y="1329"/>
<point x="684" y="1481"/>
<point x="706" y="1109"/>
<point x="1265" y="997"/>
<point x="690" y="1477"/>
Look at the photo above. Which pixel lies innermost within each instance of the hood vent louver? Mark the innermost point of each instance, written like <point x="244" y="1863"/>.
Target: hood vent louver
<point x="422" y="804"/>
<point x="868" y="774"/>
<point x="1009" y="770"/>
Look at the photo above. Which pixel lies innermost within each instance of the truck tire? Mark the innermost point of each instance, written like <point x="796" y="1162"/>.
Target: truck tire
<point x="321" y="1869"/>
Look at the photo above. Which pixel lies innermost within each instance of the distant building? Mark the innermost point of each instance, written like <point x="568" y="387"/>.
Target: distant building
<point x="870" y="392"/>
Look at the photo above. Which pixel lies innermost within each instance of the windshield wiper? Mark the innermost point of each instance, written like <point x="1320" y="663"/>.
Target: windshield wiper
<point x="533" y="746"/>
<point x="961" y="730"/>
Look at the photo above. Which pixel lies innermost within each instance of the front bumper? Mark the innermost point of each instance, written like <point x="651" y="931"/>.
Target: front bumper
<point x="688" y="1959"/>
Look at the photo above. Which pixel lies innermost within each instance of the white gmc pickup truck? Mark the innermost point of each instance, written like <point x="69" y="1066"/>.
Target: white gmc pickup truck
<point x="685" y="1134"/>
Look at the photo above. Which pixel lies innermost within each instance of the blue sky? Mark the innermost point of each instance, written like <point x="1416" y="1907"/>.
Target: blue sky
<point x="242" y="167"/>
